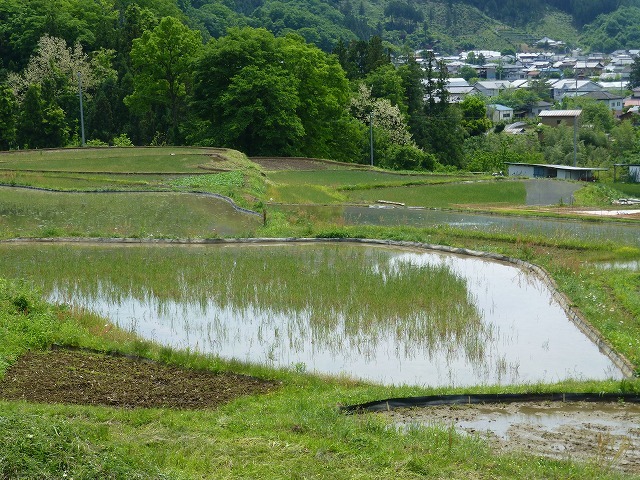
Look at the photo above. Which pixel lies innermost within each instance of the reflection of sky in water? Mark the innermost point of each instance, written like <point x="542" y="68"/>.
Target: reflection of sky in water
<point x="528" y="337"/>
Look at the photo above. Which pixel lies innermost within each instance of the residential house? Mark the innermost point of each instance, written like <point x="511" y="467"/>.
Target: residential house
<point x="634" y="99"/>
<point x="611" y="100"/>
<point x="553" y="118"/>
<point x="458" y="89"/>
<point x="570" y="87"/>
<point x="585" y="69"/>
<point x="535" y="109"/>
<point x="499" y="113"/>
<point x="491" y="88"/>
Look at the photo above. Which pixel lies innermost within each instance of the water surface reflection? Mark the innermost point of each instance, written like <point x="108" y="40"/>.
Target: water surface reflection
<point x="388" y="315"/>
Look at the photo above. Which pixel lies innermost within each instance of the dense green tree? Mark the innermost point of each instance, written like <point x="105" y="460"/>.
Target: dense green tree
<point x="412" y="82"/>
<point x="443" y="132"/>
<point x="8" y="106"/>
<point x="489" y="153"/>
<point x="517" y="98"/>
<point x="634" y="74"/>
<point x="386" y="82"/>
<point x="597" y="115"/>
<point x="41" y="123"/>
<point x="474" y="116"/>
<point x="162" y="59"/>
<point x="297" y="104"/>
<point x="468" y="72"/>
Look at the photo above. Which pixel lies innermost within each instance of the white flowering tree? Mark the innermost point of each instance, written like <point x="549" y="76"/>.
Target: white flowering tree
<point x="394" y="145"/>
<point x="386" y="117"/>
<point x="56" y="66"/>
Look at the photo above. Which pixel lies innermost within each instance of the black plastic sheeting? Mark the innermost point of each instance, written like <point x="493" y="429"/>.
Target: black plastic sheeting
<point x="433" y="400"/>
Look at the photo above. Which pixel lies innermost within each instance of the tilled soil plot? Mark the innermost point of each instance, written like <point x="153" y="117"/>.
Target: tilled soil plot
<point x="605" y="433"/>
<point x="82" y="378"/>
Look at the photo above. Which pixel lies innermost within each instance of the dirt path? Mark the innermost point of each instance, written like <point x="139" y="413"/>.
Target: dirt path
<point x="606" y="433"/>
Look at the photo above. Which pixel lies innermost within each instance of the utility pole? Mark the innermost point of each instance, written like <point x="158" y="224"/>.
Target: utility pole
<point x="371" y="134"/>
<point x="81" y="107"/>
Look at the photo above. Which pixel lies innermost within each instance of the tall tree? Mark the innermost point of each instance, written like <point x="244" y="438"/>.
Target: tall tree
<point x="240" y="79"/>
<point x="634" y="74"/>
<point x="8" y="107"/>
<point x="162" y="59"/>
<point x="41" y="123"/>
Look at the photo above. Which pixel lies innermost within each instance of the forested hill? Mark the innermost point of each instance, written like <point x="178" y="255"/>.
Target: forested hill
<point x="447" y="25"/>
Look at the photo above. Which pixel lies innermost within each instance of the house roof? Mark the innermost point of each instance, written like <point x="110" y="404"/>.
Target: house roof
<point x="602" y="95"/>
<point x="500" y="108"/>
<point x="560" y="113"/>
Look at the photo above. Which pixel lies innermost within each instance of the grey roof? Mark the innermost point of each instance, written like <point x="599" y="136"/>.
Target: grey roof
<point x="602" y="95"/>
<point x="500" y="108"/>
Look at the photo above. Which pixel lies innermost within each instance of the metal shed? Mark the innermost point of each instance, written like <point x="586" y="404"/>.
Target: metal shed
<point x="563" y="172"/>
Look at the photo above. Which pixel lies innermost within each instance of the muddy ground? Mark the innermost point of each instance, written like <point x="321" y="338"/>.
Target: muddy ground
<point x="605" y="433"/>
<point x="83" y="378"/>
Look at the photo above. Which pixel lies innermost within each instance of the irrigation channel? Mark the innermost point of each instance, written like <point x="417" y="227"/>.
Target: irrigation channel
<point x="387" y="312"/>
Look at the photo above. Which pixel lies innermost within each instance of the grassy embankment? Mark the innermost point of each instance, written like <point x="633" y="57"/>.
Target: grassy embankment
<point x="296" y="432"/>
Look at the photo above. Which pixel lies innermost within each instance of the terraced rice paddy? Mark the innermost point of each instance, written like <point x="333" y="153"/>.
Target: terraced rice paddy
<point x="392" y="316"/>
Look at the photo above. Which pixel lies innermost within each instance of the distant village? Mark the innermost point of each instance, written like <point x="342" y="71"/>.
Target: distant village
<point x="568" y="74"/>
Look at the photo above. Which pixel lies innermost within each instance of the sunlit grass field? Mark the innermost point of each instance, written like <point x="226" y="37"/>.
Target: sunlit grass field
<point x="490" y="193"/>
<point x="37" y="213"/>
<point x="123" y="160"/>
<point x="298" y="431"/>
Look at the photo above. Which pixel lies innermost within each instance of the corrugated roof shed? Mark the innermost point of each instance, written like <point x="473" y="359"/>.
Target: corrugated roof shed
<point x="560" y="113"/>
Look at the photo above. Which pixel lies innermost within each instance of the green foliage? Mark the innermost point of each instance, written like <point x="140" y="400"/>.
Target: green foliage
<point x="162" y="59"/>
<point x="474" y="116"/>
<point x="617" y="30"/>
<point x="272" y="96"/>
<point x="596" y="115"/>
<point x="489" y="153"/>
<point x="41" y="123"/>
<point x="406" y="157"/>
<point x="230" y="180"/>
<point x="122" y="140"/>
<point x="7" y="117"/>
<point x="596" y="195"/>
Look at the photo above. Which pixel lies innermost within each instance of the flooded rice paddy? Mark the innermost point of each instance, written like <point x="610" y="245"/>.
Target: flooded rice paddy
<point x="387" y="315"/>
<point x="381" y="215"/>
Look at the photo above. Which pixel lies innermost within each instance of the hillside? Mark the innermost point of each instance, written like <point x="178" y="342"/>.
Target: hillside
<point x="447" y="25"/>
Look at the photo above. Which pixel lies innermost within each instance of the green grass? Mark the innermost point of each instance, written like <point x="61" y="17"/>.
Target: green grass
<point x="296" y="432"/>
<point x="337" y="178"/>
<point x="449" y="195"/>
<point x="630" y="189"/>
<point x="334" y="186"/>
<point x="138" y="160"/>
<point x="34" y="213"/>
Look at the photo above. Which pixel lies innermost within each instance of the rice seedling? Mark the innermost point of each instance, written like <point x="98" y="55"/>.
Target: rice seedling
<point x="25" y="213"/>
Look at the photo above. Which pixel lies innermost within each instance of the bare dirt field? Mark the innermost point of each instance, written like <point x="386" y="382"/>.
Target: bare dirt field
<point x="74" y="377"/>
<point x="606" y="433"/>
